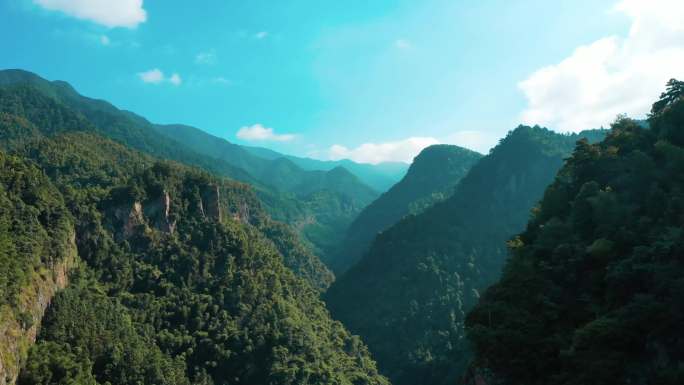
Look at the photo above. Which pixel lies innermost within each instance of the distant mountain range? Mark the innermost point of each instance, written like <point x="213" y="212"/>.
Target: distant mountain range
<point x="379" y="176"/>
<point x="319" y="201"/>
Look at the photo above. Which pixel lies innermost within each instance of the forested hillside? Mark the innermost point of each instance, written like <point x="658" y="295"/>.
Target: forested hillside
<point x="319" y="204"/>
<point x="430" y="179"/>
<point x="408" y="296"/>
<point x="594" y="289"/>
<point x="183" y="276"/>
<point x="27" y="115"/>
<point x="36" y="247"/>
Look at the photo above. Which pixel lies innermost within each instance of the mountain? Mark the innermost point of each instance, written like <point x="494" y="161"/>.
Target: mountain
<point x="408" y="296"/>
<point x="320" y="204"/>
<point x="593" y="291"/>
<point x="121" y="126"/>
<point x="290" y="194"/>
<point x="279" y="172"/>
<point x="431" y="178"/>
<point x="36" y="248"/>
<point x="155" y="272"/>
<point x="29" y="114"/>
<point x="379" y="176"/>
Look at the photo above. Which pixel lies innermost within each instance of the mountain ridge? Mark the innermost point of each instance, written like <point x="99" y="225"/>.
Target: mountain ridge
<point x="409" y="294"/>
<point x="430" y="179"/>
<point x="183" y="277"/>
<point x="592" y="291"/>
<point x="284" y="204"/>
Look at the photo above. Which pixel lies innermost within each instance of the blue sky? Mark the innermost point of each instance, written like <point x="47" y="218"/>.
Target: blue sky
<point x="369" y="80"/>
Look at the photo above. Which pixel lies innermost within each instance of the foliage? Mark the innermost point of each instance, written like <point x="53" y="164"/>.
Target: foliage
<point x="35" y="226"/>
<point x="593" y="290"/>
<point x="308" y="199"/>
<point x="207" y="300"/>
<point x="430" y="179"/>
<point x="408" y="296"/>
<point x="280" y="184"/>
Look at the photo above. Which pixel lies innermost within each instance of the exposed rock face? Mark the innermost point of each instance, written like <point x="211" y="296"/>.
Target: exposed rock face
<point x="17" y="334"/>
<point x="242" y="213"/>
<point x="161" y="214"/>
<point x="213" y="203"/>
<point x="200" y="208"/>
<point x="129" y="219"/>
<point x="135" y="218"/>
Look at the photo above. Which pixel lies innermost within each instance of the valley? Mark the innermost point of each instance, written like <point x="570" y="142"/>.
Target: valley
<point x="341" y="193"/>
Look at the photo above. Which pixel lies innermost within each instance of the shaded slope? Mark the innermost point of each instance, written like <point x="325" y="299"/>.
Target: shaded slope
<point x="431" y="178"/>
<point x="408" y="296"/>
<point x="593" y="290"/>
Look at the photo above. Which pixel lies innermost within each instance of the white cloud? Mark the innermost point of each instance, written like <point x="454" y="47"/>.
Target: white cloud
<point x="110" y="13"/>
<point x="399" y="151"/>
<point x="258" y="132"/>
<point x="479" y="141"/>
<point x="104" y="40"/>
<point x="403" y="44"/>
<point x="261" y="35"/>
<point x="156" y="76"/>
<point x="406" y="149"/>
<point x="208" y="57"/>
<point x="221" y="80"/>
<point x="613" y="75"/>
<point x="175" y="79"/>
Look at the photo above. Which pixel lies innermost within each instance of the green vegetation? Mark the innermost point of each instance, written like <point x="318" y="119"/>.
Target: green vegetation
<point x="35" y="227"/>
<point x="593" y="291"/>
<point x="430" y="179"/>
<point x="283" y="187"/>
<point x="28" y="114"/>
<point x="320" y="204"/>
<point x="408" y="296"/>
<point x="184" y="277"/>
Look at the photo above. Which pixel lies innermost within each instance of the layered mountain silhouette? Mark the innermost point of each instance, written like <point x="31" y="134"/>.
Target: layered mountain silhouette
<point x="320" y="204"/>
<point x="592" y="292"/>
<point x="409" y="294"/>
<point x="155" y="271"/>
<point x="430" y="179"/>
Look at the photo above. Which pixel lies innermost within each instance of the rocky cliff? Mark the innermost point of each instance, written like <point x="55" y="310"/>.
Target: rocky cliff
<point x="19" y="327"/>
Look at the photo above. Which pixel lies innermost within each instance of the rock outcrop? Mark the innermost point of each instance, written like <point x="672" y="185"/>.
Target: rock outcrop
<point x="213" y="200"/>
<point x="159" y="213"/>
<point x="19" y="328"/>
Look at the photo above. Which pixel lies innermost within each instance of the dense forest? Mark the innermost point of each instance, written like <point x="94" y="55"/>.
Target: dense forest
<point x="430" y="179"/>
<point x="408" y="296"/>
<point x="593" y="291"/>
<point x="136" y="253"/>
<point x="183" y="277"/>
<point x="319" y="204"/>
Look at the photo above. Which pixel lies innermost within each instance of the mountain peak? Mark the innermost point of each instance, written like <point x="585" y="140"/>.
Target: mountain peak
<point x="430" y="178"/>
